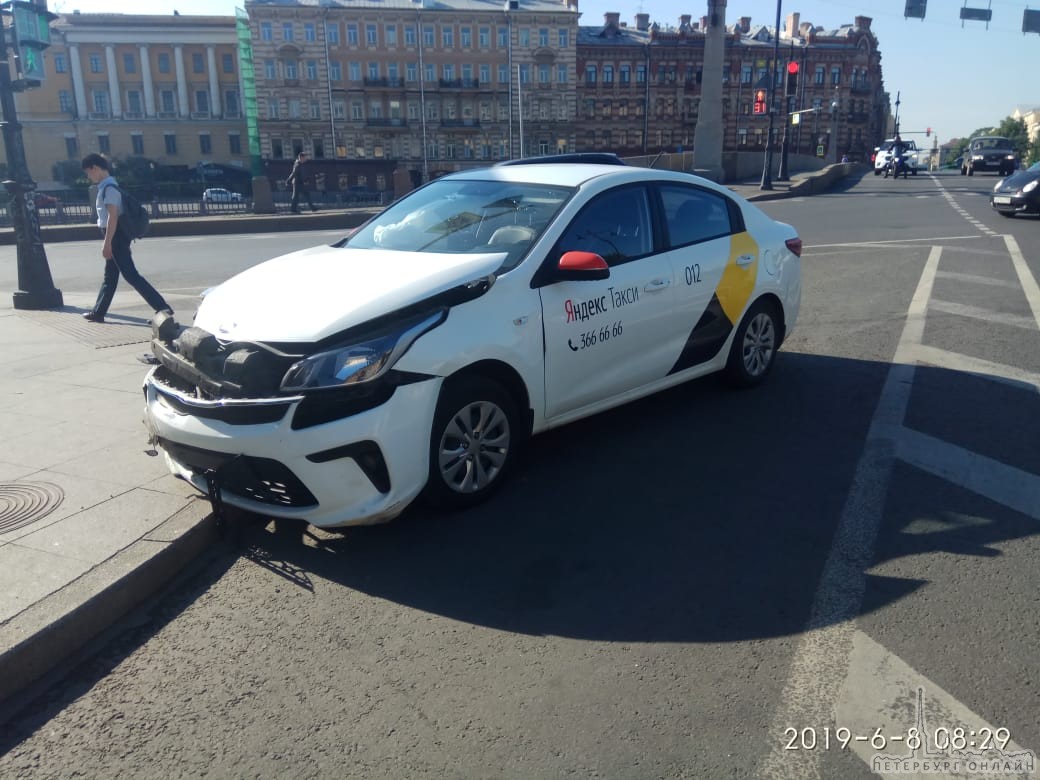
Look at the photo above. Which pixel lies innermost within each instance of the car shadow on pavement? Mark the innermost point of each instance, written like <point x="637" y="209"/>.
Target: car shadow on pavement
<point x="700" y="515"/>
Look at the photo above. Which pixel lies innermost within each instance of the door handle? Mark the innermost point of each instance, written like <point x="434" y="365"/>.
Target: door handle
<point x="657" y="285"/>
<point x="745" y="260"/>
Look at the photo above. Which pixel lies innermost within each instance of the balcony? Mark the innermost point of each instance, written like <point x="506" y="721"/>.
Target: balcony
<point x="99" y="115"/>
<point x="473" y="124"/>
<point x="200" y="115"/>
<point x="387" y="122"/>
<point x="391" y="83"/>
<point x="459" y="83"/>
<point x="166" y="115"/>
<point x="133" y="115"/>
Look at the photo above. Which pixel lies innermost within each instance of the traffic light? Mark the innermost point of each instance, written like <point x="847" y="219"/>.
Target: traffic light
<point x="792" y="79"/>
<point x="915" y="9"/>
<point x="760" y="101"/>
<point x="32" y="35"/>
<point x="928" y="132"/>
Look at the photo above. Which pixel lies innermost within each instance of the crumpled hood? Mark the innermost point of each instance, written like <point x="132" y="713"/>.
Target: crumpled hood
<point x="308" y="295"/>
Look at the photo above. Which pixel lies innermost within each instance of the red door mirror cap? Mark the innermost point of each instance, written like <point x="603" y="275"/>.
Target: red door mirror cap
<point x="576" y="260"/>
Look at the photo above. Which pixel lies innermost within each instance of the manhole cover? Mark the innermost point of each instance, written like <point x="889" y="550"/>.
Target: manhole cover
<point x="22" y="503"/>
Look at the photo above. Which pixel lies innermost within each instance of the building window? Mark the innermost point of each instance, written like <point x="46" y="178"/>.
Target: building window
<point x="103" y="145"/>
<point x="295" y="111"/>
<point x="65" y="100"/>
<point x="373" y="70"/>
<point x="431" y="73"/>
<point x="60" y="63"/>
<point x="339" y="109"/>
<point x="543" y="74"/>
<point x="234" y="143"/>
<point x="171" y="143"/>
<point x="391" y="34"/>
<point x="393" y="73"/>
<point x="352" y="35"/>
<point x="332" y="33"/>
<point x="202" y="101"/>
<point x="197" y="63"/>
<point x="503" y="74"/>
<point x="231" y="107"/>
<point x="449" y="72"/>
<point x="836" y="75"/>
<point x="308" y="33"/>
<point x="137" y="143"/>
<point x="95" y="63"/>
<point x="291" y="72"/>
<point x="447" y="37"/>
<point x="277" y="151"/>
<point x="355" y="71"/>
<point x="745" y="74"/>
<point x="312" y="70"/>
<point x="71" y="146"/>
<point x="371" y="36"/>
<point x="336" y="71"/>
<point x="272" y="109"/>
<point x="287" y="31"/>
<point x="100" y="102"/>
<point x="503" y="37"/>
<point x="543" y="36"/>
<point x="427" y="36"/>
<point x="265" y="32"/>
<point x="315" y="109"/>
<point x="466" y="37"/>
<point x="205" y="144"/>
<point x="166" y="101"/>
<point x="270" y="73"/>
<point x="484" y="37"/>
<point x="485" y="74"/>
<point x="590" y="74"/>
<point x="524" y="37"/>
<point x="164" y="62"/>
<point x="129" y="63"/>
<point x="133" y="101"/>
<point x="357" y="111"/>
<point x="640" y="74"/>
<point x="409" y="36"/>
<point x="525" y="73"/>
<point x="227" y="63"/>
<point x="608" y="74"/>
<point x="561" y="74"/>
<point x="565" y="38"/>
<point x="318" y="145"/>
<point x="818" y="76"/>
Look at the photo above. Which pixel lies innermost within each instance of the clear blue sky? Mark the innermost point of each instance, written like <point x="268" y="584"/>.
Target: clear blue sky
<point x="950" y="78"/>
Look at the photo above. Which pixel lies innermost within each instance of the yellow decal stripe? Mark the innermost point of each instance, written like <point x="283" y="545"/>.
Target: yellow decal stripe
<point x="738" y="281"/>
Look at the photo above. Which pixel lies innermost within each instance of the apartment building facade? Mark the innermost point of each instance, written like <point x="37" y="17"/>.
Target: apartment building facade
<point x="162" y="87"/>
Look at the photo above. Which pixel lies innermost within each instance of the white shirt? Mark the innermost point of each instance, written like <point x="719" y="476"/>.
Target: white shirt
<point x="106" y="193"/>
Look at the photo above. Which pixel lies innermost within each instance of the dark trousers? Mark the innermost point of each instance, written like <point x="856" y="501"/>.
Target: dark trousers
<point x="122" y="262"/>
<point x="296" y="194"/>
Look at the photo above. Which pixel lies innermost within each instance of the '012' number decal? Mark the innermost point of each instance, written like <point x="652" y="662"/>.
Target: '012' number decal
<point x="591" y="338"/>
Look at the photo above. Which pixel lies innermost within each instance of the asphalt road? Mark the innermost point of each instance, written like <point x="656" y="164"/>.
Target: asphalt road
<point x="702" y="584"/>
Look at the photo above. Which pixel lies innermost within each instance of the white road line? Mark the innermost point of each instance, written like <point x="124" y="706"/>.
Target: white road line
<point x="955" y="361"/>
<point x="978" y="313"/>
<point x="977" y="279"/>
<point x="1014" y="488"/>
<point x="961" y="210"/>
<point x="1029" y="285"/>
<point x="898" y="241"/>
<point x="880" y="695"/>
<point x="820" y="663"/>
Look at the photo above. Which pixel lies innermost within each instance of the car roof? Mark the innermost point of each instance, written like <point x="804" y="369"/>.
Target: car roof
<point x="577" y="174"/>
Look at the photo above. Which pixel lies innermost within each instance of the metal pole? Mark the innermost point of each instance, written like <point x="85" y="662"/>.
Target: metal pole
<point x="520" y="108"/>
<point x="422" y="99"/>
<point x="36" y="289"/>
<point x="781" y="174"/>
<point x="767" y="183"/>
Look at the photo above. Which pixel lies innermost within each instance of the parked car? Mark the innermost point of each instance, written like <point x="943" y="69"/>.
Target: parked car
<point x="44" y="201"/>
<point x="220" y="195"/>
<point x="338" y="383"/>
<point x="1019" y="193"/>
<point x="989" y="153"/>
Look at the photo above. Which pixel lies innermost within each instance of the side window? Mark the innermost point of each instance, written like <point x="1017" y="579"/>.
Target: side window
<point x="616" y="226"/>
<point x="694" y="215"/>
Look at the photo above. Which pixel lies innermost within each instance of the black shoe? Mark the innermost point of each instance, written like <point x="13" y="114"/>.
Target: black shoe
<point x="90" y="316"/>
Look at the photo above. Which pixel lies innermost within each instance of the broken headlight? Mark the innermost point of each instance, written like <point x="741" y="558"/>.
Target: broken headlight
<point x="359" y="362"/>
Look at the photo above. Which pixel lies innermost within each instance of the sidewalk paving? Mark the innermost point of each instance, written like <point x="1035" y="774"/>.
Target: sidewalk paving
<point x="91" y="525"/>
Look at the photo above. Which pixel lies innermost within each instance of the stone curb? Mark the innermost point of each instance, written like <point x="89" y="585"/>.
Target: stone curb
<point x="52" y="630"/>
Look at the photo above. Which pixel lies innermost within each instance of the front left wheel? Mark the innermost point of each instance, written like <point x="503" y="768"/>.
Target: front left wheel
<point x="475" y="436"/>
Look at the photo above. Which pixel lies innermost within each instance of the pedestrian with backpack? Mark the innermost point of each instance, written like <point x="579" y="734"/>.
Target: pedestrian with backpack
<point x="111" y="210"/>
<point x="299" y="186"/>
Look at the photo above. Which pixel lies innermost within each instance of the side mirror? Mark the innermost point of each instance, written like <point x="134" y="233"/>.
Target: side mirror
<point x="577" y="266"/>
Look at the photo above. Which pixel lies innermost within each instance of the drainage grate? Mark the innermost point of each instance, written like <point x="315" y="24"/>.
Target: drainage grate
<point x="116" y="331"/>
<point x="23" y="503"/>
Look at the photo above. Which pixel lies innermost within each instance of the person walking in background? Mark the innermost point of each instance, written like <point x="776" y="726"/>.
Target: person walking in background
<point x="299" y="188"/>
<point x="116" y="246"/>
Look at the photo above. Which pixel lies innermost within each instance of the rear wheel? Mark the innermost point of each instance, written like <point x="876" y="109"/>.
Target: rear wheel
<point x="476" y="431"/>
<point x="754" y="347"/>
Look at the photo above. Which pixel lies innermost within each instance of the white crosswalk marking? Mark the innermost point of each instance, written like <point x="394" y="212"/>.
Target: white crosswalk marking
<point x="838" y="675"/>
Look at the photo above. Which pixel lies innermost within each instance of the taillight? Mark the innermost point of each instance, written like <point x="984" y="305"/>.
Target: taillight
<point x="795" y="245"/>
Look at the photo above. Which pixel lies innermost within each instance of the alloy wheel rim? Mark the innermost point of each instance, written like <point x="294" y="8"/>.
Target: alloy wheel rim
<point x="759" y="343"/>
<point x="474" y="446"/>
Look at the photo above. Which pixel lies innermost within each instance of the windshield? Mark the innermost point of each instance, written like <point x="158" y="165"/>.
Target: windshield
<point x="449" y="216"/>
<point x="992" y="143"/>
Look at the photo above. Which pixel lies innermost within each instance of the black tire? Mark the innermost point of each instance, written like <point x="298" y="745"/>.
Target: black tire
<point x="755" y="343"/>
<point x="963" y="170"/>
<point x="474" y="442"/>
<point x="971" y="170"/>
<point x="877" y="171"/>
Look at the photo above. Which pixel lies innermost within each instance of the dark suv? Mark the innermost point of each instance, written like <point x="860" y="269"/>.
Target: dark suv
<point x="989" y="153"/>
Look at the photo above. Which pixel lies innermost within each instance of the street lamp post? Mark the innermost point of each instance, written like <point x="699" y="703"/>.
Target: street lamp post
<point x="36" y="289"/>
<point x="834" y="127"/>
<point x="767" y="183"/>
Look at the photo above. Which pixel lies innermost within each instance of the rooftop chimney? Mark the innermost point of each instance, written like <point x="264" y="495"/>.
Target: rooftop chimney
<point x="684" y="22"/>
<point x="612" y="19"/>
<point x="745" y="24"/>
<point x="863" y="22"/>
<point x="791" y="29"/>
<point x="704" y="22"/>
<point x="643" y="22"/>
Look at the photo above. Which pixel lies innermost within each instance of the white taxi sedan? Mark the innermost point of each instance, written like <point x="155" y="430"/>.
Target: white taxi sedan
<point x="338" y="383"/>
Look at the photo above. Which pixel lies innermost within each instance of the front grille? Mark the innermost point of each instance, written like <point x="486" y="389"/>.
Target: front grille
<point x="263" y="480"/>
<point x="232" y="414"/>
